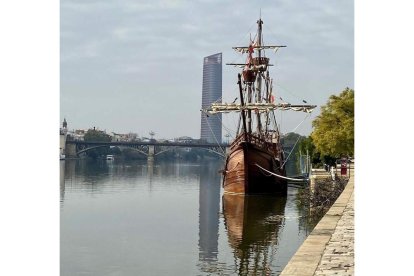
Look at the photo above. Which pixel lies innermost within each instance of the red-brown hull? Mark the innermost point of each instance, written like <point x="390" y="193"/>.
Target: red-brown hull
<point x="244" y="176"/>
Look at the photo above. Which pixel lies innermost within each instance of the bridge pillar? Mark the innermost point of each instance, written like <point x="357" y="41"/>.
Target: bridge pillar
<point x="62" y="146"/>
<point x="70" y="150"/>
<point x="151" y="152"/>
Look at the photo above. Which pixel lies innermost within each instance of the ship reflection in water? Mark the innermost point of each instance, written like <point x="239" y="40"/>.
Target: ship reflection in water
<point x="250" y="224"/>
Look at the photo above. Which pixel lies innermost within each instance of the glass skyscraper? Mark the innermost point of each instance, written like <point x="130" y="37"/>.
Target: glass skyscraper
<point x="212" y="91"/>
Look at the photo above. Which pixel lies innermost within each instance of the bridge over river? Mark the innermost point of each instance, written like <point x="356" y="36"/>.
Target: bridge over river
<point x="73" y="148"/>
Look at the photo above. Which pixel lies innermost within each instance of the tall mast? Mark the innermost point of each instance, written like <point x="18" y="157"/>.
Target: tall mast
<point x="242" y="103"/>
<point x="249" y="112"/>
<point x="259" y="78"/>
<point x="255" y="76"/>
<point x="259" y="34"/>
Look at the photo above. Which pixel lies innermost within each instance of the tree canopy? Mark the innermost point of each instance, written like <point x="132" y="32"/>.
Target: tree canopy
<point x="333" y="129"/>
<point x="97" y="136"/>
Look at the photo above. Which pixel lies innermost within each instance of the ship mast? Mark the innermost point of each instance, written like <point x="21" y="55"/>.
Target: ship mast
<point x="255" y="74"/>
<point x="259" y="78"/>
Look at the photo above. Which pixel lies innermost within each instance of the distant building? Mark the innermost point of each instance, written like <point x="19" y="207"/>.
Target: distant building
<point x="131" y="137"/>
<point x="118" y="137"/>
<point x="64" y="128"/>
<point x="211" y="92"/>
<point x="184" y="139"/>
<point x="79" y="134"/>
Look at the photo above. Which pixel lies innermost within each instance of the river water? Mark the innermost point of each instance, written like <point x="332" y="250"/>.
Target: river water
<point x="170" y="218"/>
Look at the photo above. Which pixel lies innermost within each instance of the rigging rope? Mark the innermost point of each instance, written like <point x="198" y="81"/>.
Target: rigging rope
<point x="226" y="128"/>
<point x="214" y="136"/>
<point x="287" y="158"/>
<point x="242" y="39"/>
<point x="281" y="176"/>
<point x="221" y="121"/>
<point x="301" y="122"/>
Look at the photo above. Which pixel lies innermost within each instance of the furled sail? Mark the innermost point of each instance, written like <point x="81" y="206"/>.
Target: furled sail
<point x="257" y="107"/>
<point x="244" y="50"/>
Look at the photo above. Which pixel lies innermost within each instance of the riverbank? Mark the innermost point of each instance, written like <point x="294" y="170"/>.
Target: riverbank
<point x="329" y="249"/>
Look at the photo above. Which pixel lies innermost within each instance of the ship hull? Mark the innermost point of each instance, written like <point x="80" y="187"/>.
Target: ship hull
<point x="246" y="172"/>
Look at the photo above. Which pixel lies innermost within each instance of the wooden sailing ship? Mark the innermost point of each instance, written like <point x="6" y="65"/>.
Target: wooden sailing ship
<point x="255" y="163"/>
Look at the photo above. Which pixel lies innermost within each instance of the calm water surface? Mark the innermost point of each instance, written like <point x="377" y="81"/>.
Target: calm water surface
<point x="132" y="218"/>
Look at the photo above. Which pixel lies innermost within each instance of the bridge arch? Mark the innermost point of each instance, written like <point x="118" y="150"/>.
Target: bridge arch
<point x="101" y="146"/>
<point x="89" y="148"/>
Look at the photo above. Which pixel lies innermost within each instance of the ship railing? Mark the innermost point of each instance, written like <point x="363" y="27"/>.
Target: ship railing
<point x="254" y="139"/>
<point x="239" y="139"/>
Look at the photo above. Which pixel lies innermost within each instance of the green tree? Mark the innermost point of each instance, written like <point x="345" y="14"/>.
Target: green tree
<point x="94" y="135"/>
<point x="306" y="146"/>
<point x="333" y="129"/>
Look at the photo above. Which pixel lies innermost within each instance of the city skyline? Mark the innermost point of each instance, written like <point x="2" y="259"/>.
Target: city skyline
<point x="137" y="67"/>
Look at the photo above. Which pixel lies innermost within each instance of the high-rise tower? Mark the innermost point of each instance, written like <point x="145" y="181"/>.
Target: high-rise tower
<point x="212" y="92"/>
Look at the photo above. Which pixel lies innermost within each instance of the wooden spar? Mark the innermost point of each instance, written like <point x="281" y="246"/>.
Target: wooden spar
<point x="262" y="47"/>
<point x="242" y="103"/>
<point x="260" y="107"/>
<point x="244" y="64"/>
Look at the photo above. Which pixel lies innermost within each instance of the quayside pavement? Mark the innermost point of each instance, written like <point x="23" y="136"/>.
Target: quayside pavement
<point x="329" y="249"/>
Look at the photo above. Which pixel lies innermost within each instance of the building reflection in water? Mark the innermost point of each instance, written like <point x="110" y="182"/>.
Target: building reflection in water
<point x="62" y="180"/>
<point x="67" y="173"/>
<point x="252" y="224"/>
<point x="209" y="211"/>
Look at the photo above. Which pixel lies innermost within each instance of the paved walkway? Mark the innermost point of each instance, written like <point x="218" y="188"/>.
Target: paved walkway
<point x="329" y="249"/>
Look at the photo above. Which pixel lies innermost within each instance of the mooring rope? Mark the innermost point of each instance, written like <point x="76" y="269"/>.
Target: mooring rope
<point x="281" y="176"/>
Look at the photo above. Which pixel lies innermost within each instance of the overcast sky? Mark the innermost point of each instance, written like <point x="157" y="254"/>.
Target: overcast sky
<point x="136" y="66"/>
